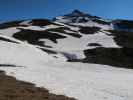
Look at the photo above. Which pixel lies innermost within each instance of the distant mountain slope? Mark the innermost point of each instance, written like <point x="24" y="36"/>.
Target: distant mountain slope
<point x="74" y="35"/>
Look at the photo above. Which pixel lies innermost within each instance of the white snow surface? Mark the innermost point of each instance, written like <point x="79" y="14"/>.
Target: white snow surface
<point x="27" y="22"/>
<point x="71" y="43"/>
<point x="9" y="31"/>
<point x="79" y="80"/>
<point x="40" y="28"/>
<point x="21" y="54"/>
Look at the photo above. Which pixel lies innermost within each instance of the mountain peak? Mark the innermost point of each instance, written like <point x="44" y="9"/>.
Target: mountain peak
<point x="76" y="16"/>
<point x="77" y="12"/>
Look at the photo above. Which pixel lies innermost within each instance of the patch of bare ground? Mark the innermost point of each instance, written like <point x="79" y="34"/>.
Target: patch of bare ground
<point x="12" y="89"/>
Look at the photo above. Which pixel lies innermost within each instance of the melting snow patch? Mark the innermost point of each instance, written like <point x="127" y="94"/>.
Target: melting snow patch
<point x="27" y="22"/>
<point x="82" y="81"/>
<point x="9" y="31"/>
<point x="38" y="28"/>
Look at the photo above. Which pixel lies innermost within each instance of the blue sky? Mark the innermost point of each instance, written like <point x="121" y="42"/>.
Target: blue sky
<point x="26" y="9"/>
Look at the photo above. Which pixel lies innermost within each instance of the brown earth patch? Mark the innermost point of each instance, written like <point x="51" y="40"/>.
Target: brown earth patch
<point x="12" y="89"/>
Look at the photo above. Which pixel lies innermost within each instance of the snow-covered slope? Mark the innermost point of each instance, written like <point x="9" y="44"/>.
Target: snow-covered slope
<point x="14" y="52"/>
<point x="73" y="53"/>
<point x="77" y="37"/>
<point x="78" y="80"/>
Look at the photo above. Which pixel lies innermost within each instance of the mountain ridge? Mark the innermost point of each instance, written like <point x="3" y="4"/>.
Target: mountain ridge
<point x="74" y="34"/>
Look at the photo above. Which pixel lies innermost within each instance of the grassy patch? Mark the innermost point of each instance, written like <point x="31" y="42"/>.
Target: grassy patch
<point x="101" y="22"/>
<point x="125" y="24"/>
<point x="10" y="24"/>
<point x="89" y="30"/>
<point x="118" y="57"/>
<point x="40" y="22"/>
<point x="94" y="44"/>
<point x="123" y="38"/>
<point x="33" y="36"/>
<point x="61" y="30"/>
